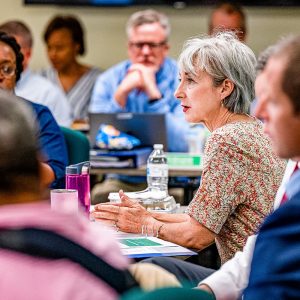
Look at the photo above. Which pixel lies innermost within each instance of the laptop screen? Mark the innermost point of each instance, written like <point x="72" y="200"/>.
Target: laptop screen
<point x="149" y="128"/>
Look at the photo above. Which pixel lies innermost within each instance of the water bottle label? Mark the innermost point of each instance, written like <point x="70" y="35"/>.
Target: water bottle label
<point x="156" y="170"/>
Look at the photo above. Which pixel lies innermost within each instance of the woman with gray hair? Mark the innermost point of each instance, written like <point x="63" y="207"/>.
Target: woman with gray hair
<point x="240" y="172"/>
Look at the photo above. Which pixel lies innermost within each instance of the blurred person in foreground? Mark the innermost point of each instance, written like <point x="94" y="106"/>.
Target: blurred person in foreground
<point x="241" y="174"/>
<point x="32" y="276"/>
<point x="64" y="38"/>
<point x="47" y="254"/>
<point x="275" y="268"/>
<point x="33" y="86"/>
<point x="228" y="16"/>
<point x="145" y="83"/>
<point x="53" y="154"/>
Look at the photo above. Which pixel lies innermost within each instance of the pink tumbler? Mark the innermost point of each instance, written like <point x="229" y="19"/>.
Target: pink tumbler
<point x="78" y="178"/>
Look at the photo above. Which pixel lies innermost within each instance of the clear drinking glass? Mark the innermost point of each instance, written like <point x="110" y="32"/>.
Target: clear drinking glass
<point x="64" y="200"/>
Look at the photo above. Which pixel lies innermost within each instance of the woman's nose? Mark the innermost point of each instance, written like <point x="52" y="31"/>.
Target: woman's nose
<point x="179" y="94"/>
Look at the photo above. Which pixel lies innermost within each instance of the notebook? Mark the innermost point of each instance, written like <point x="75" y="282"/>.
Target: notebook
<point x="149" y="128"/>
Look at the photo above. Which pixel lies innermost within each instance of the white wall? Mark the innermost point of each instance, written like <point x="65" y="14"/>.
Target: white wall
<point x="106" y="38"/>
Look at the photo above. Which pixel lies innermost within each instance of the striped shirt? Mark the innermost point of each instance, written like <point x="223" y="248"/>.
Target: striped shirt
<point x="80" y="94"/>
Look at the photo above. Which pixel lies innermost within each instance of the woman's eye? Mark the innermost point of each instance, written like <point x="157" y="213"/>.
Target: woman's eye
<point x="189" y="79"/>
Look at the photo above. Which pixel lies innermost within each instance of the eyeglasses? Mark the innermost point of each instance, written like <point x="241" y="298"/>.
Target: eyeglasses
<point x="7" y="70"/>
<point x="141" y="45"/>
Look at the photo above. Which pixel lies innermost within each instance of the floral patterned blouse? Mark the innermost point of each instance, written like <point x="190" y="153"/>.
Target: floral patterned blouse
<point x="240" y="178"/>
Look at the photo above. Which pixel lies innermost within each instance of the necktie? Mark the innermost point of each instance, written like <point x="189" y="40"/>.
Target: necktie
<point x="284" y="197"/>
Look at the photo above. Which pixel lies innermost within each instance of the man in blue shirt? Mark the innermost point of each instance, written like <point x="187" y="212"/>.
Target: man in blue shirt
<point x="144" y="83"/>
<point x="53" y="148"/>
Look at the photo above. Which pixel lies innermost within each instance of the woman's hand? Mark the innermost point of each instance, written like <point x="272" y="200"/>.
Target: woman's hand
<point x="127" y="216"/>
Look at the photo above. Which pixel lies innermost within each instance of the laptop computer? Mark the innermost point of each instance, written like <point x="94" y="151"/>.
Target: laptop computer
<point x="149" y="128"/>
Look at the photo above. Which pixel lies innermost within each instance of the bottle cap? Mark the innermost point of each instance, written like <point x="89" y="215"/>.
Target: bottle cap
<point x="158" y="146"/>
<point x="80" y="168"/>
<point x="72" y="170"/>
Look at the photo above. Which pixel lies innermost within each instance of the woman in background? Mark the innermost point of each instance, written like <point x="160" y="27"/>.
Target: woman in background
<point x="64" y="37"/>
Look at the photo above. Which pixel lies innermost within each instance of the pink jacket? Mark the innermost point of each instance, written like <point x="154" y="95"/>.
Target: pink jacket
<point x="25" y="277"/>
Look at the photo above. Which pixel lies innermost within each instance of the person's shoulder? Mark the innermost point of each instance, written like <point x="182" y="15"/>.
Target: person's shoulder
<point x="92" y="73"/>
<point x="95" y="70"/>
<point x="170" y="63"/>
<point x="119" y="67"/>
<point x="114" y="72"/>
<point x="43" y="113"/>
<point x="233" y="136"/>
<point x="240" y="131"/>
<point x="37" y="106"/>
<point x="47" y="72"/>
<point x="37" y="77"/>
<point x="44" y="84"/>
<point x="285" y="217"/>
<point x="231" y="128"/>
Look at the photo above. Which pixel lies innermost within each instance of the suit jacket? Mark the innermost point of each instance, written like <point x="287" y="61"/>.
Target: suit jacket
<point x="275" y="269"/>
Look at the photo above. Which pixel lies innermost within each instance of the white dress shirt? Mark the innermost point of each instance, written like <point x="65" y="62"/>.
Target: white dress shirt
<point x="232" y="278"/>
<point x="38" y="89"/>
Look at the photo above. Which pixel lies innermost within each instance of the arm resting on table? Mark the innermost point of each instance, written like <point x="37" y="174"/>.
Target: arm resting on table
<point x="183" y="230"/>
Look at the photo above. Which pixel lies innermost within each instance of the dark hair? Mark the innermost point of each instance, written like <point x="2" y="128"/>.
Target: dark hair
<point x="289" y="51"/>
<point x="70" y="23"/>
<point x="12" y="43"/>
<point x="19" y="166"/>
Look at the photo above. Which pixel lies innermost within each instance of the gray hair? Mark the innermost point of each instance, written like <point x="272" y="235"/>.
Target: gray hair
<point x="18" y="145"/>
<point x="223" y="56"/>
<point x="18" y="28"/>
<point x="148" y="16"/>
<point x="263" y="58"/>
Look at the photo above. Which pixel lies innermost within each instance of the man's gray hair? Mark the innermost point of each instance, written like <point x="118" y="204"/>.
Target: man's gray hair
<point x="18" y="144"/>
<point x="223" y="56"/>
<point x="148" y="16"/>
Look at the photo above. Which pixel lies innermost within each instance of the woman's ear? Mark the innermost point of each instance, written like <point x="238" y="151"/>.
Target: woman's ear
<point x="227" y="87"/>
<point x="47" y="175"/>
<point x="77" y="48"/>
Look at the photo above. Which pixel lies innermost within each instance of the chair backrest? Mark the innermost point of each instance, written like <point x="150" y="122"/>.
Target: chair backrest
<point x="174" y="293"/>
<point x="78" y="145"/>
<point x="42" y="243"/>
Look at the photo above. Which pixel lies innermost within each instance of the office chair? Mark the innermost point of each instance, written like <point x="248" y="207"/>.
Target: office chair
<point x="173" y="293"/>
<point x="78" y="145"/>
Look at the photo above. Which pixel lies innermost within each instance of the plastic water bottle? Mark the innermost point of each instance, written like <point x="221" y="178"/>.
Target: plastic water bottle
<point x="157" y="169"/>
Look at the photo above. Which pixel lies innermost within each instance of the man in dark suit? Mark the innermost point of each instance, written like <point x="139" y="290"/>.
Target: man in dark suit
<point x="275" y="269"/>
